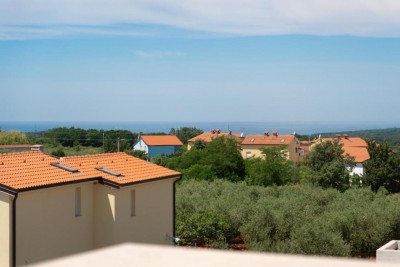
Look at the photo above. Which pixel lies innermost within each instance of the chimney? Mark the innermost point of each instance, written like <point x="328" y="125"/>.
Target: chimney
<point x="266" y="133"/>
<point x="275" y="133"/>
<point x="37" y="148"/>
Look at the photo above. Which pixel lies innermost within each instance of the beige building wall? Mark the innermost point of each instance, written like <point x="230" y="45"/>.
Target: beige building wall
<point x="47" y="226"/>
<point x="254" y="151"/>
<point x="154" y="210"/>
<point x="104" y="215"/>
<point x="5" y="229"/>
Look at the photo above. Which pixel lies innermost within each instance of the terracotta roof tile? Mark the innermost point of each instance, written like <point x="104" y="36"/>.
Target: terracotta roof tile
<point x="31" y="169"/>
<point x="209" y="136"/>
<point x="360" y="154"/>
<point x="262" y="139"/>
<point x="161" y="140"/>
<point x="349" y="141"/>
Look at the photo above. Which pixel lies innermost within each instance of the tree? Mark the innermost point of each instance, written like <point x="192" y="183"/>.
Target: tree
<point x="273" y="169"/>
<point x="329" y="167"/>
<point x="138" y="153"/>
<point x="185" y="133"/>
<point x="13" y="138"/>
<point x="383" y="168"/>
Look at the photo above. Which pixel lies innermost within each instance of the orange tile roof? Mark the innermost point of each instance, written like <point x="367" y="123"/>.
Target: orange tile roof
<point x="161" y="140"/>
<point x="27" y="170"/>
<point x="209" y="136"/>
<point x="360" y="154"/>
<point x="349" y="141"/>
<point x="261" y="139"/>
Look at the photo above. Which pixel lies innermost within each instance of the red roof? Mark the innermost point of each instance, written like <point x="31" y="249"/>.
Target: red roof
<point x="360" y="154"/>
<point x="209" y="136"/>
<point x="348" y="141"/>
<point x="32" y="169"/>
<point x="161" y="140"/>
<point x="262" y="139"/>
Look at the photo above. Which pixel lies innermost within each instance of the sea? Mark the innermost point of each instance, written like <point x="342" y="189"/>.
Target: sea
<point x="282" y="127"/>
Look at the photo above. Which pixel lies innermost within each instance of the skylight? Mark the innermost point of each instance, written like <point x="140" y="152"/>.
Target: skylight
<point x="64" y="167"/>
<point x="283" y="140"/>
<point x="108" y="171"/>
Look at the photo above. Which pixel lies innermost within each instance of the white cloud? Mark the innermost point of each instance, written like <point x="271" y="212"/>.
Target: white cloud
<point x="235" y="17"/>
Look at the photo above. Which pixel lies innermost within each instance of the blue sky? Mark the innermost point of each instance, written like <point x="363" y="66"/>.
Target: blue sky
<point x="200" y="61"/>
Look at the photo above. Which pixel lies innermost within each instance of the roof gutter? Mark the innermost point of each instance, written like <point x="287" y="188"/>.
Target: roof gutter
<point x="14" y="231"/>
<point x="174" y="210"/>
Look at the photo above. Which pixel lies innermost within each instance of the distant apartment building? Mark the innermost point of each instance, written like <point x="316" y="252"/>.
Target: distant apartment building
<point x="252" y="144"/>
<point x="155" y="145"/>
<point x="207" y="137"/>
<point x="52" y="207"/>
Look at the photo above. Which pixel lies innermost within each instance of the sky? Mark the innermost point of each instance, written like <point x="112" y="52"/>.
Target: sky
<point x="200" y="60"/>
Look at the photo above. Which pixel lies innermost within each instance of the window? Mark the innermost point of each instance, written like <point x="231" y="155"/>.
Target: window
<point x="78" y="202"/>
<point x="248" y="155"/>
<point x="133" y="203"/>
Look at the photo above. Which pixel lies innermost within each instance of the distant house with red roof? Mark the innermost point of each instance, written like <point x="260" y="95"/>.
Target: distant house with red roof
<point x="207" y="137"/>
<point x="354" y="147"/>
<point x="252" y="144"/>
<point x="52" y="207"/>
<point x="155" y="145"/>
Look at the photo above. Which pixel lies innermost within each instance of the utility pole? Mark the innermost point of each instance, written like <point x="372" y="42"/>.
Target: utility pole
<point x="118" y="144"/>
<point x="103" y="142"/>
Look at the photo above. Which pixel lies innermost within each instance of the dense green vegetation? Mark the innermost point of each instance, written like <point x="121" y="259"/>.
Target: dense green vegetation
<point x="286" y="219"/>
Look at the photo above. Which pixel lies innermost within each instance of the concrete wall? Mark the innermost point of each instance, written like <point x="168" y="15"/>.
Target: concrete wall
<point x="5" y="229"/>
<point x="389" y="253"/>
<point x="141" y="145"/>
<point x="153" y="219"/>
<point x="47" y="226"/>
<point x="358" y="169"/>
<point x="104" y="215"/>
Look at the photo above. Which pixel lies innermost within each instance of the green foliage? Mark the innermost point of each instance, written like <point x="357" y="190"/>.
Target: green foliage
<point x="138" y="153"/>
<point x="59" y="152"/>
<point x="13" y="138"/>
<point x="288" y="219"/>
<point x="383" y="168"/>
<point x="199" y="144"/>
<point x="204" y="228"/>
<point x="221" y="158"/>
<point x="200" y="172"/>
<point x="328" y="166"/>
<point x="185" y="133"/>
<point x="70" y="137"/>
<point x="273" y="169"/>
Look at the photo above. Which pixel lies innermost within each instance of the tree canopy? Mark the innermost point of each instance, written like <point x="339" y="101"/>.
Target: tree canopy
<point x="328" y="166"/>
<point x="185" y="133"/>
<point x="383" y="168"/>
<point x="13" y="138"/>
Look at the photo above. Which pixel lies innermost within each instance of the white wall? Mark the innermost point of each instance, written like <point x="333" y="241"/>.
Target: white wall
<point x="5" y="229"/>
<point x="140" y="145"/>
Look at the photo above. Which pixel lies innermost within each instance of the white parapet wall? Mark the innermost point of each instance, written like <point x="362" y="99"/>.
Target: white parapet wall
<point x="389" y="253"/>
<point x="166" y="256"/>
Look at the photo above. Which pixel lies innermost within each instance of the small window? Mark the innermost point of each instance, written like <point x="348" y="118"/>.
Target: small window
<point x="78" y="211"/>
<point x="248" y="155"/>
<point x="133" y="203"/>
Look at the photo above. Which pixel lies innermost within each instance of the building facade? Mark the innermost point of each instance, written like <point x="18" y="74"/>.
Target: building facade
<point x="252" y="144"/>
<point x="155" y="145"/>
<point x="52" y="207"/>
